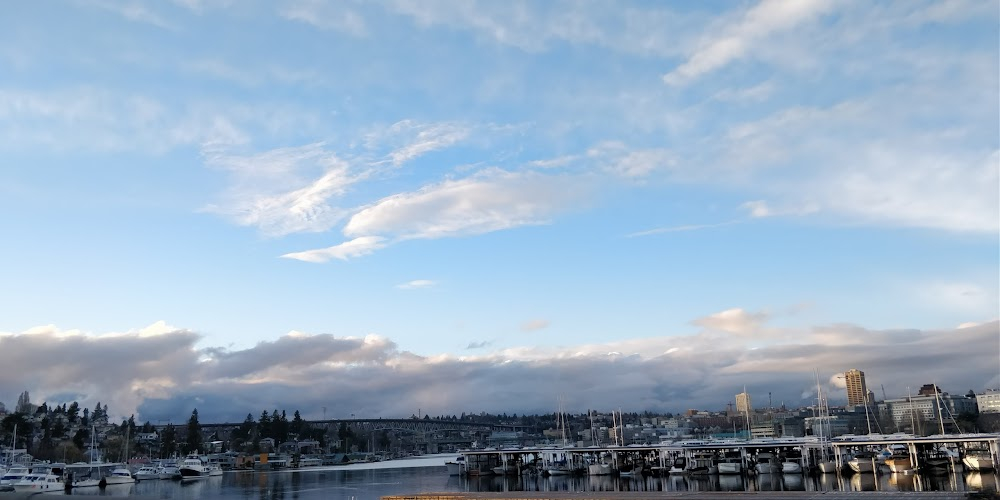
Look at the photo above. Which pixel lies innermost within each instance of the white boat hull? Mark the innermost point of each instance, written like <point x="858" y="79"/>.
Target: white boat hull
<point x="861" y="466"/>
<point x="599" y="469"/>
<point x="827" y="467"/>
<point x="730" y="468"/>
<point x="791" y="467"/>
<point x="978" y="463"/>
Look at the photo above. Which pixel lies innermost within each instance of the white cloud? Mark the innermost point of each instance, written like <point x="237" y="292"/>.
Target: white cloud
<point x="628" y="162"/>
<point x="164" y="376"/>
<point x="285" y="190"/>
<point x="485" y="202"/>
<point x="413" y="139"/>
<point x="683" y="228"/>
<point x="534" y="325"/>
<point x="336" y="16"/>
<point x="736" y="321"/>
<point x="362" y="245"/>
<point x="415" y="284"/>
<point x="136" y="11"/>
<point x="739" y="39"/>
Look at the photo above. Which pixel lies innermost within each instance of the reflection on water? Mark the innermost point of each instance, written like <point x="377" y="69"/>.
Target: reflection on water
<point x="359" y="484"/>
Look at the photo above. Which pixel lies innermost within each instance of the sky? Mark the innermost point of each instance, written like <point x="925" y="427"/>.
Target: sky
<point x="392" y="207"/>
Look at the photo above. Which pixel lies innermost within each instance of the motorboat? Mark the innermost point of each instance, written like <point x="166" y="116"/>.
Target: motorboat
<point x="192" y="467"/>
<point x="169" y="470"/>
<point x="899" y="463"/>
<point x="792" y="462"/>
<point x="978" y="461"/>
<point x="679" y="466"/>
<point x="119" y="475"/>
<point x="147" y="472"/>
<point x="730" y="465"/>
<point x="862" y="462"/>
<point x="702" y="463"/>
<point x="767" y="463"/>
<point x="41" y="480"/>
<point x="13" y="475"/>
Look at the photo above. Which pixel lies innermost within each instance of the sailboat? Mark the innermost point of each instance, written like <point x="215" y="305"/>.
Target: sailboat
<point x="825" y="465"/>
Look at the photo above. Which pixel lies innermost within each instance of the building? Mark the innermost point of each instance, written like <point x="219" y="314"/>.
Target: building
<point x="743" y="405"/>
<point x="989" y="401"/>
<point x="857" y="390"/>
<point x="927" y="413"/>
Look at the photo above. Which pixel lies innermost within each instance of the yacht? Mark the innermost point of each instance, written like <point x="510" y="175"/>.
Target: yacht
<point x="13" y="475"/>
<point x="147" y="472"/>
<point x="43" y="479"/>
<point x="193" y="468"/>
<point x="730" y="465"/>
<point x="792" y="462"/>
<point x="119" y="475"/>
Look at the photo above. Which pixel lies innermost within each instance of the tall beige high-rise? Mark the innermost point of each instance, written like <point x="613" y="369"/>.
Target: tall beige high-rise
<point x="857" y="390"/>
<point x="743" y="403"/>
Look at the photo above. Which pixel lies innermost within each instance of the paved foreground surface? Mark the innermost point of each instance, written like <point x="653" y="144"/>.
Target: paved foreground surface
<point x="724" y="495"/>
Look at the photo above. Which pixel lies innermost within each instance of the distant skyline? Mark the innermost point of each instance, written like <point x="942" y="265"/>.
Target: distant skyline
<point x="468" y="205"/>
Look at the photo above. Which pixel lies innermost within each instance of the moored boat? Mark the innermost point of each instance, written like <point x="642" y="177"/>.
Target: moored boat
<point x="767" y="463"/>
<point x="147" y="472"/>
<point x="862" y="462"/>
<point x="899" y="463"/>
<point x="192" y="467"/>
<point x="978" y="461"/>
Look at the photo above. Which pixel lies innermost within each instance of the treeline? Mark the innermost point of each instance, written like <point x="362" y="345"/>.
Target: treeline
<point x="276" y="426"/>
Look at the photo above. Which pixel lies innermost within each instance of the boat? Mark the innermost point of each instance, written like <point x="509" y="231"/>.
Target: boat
<point x="456" y="467"/>
<point x="679" y="466"/>
<point x="862" y="462"/>
<point x="119" y="475"/>
<point x="767" y="463"/>
<point x="147" y="472"/>
<point x="792" y="462"/>
<point x="192" y="467"/>
<point x="702" y="463"/>
<point x="978" y="461"/>
<point x="43" y="479"/>
<point x="730" y="465"/>
<point x="899" y="463"/>
<point x="214" y="470"/>
<point x="13" y="475"/>
<point x="169" y="470"/>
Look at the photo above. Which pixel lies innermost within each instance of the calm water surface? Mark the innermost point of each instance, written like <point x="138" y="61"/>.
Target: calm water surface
<point x="428" y="474"/>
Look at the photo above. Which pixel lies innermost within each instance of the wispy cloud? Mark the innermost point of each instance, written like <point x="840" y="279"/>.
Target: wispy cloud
<point x="534" y="325"/>
<point x="338" y="16"/>
<point x="677" y="229"/>
<point x="136" y="11"/>
<point x="738" y="39"/>
<point x="415" y="284"/>
<point x="360" y="246"/>
<point x="478" y="345"/>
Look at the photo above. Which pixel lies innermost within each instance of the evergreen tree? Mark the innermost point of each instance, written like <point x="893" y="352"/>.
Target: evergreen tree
<point x="169" y="440"/>
<point x="85" y="421"/>
<point x="193" y="433"/>
<point x="297" y="425"/>
<point x="73" y="412"/>
<point x="264" y="426"/>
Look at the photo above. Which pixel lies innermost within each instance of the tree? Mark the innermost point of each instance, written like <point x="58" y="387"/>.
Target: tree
<point x="80" y="438"/>
<point x="23" y="403"/>
<point x="193" y="433"/>
<point x="85" y="421"/>
<point x="169" y="440"/>
<point x="297" y="424"/>
<point x="73" y="412"/>
<point x="264" y="426"/>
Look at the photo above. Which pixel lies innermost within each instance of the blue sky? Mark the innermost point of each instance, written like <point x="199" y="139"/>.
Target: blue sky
<point x="496" y="182"/>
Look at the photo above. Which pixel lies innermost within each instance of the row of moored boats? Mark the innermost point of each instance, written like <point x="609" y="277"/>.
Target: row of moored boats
<point x="44" y="477"/>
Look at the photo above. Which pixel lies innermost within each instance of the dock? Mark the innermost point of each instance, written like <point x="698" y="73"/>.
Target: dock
<point x="725" y="495"/>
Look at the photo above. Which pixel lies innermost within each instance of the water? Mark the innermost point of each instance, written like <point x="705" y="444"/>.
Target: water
<point x="428" y="474"/>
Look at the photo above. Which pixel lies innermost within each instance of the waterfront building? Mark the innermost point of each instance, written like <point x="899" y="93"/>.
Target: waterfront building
<point x="857" y="389"/>
<point x="925" y="413"/>
<point x="989" y="401"/>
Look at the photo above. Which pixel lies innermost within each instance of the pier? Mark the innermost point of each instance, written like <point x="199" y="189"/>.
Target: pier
<point x="733" y="456"/>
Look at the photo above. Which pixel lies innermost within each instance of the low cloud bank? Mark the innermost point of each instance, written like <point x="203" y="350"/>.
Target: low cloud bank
<point x="159" y="374"/>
